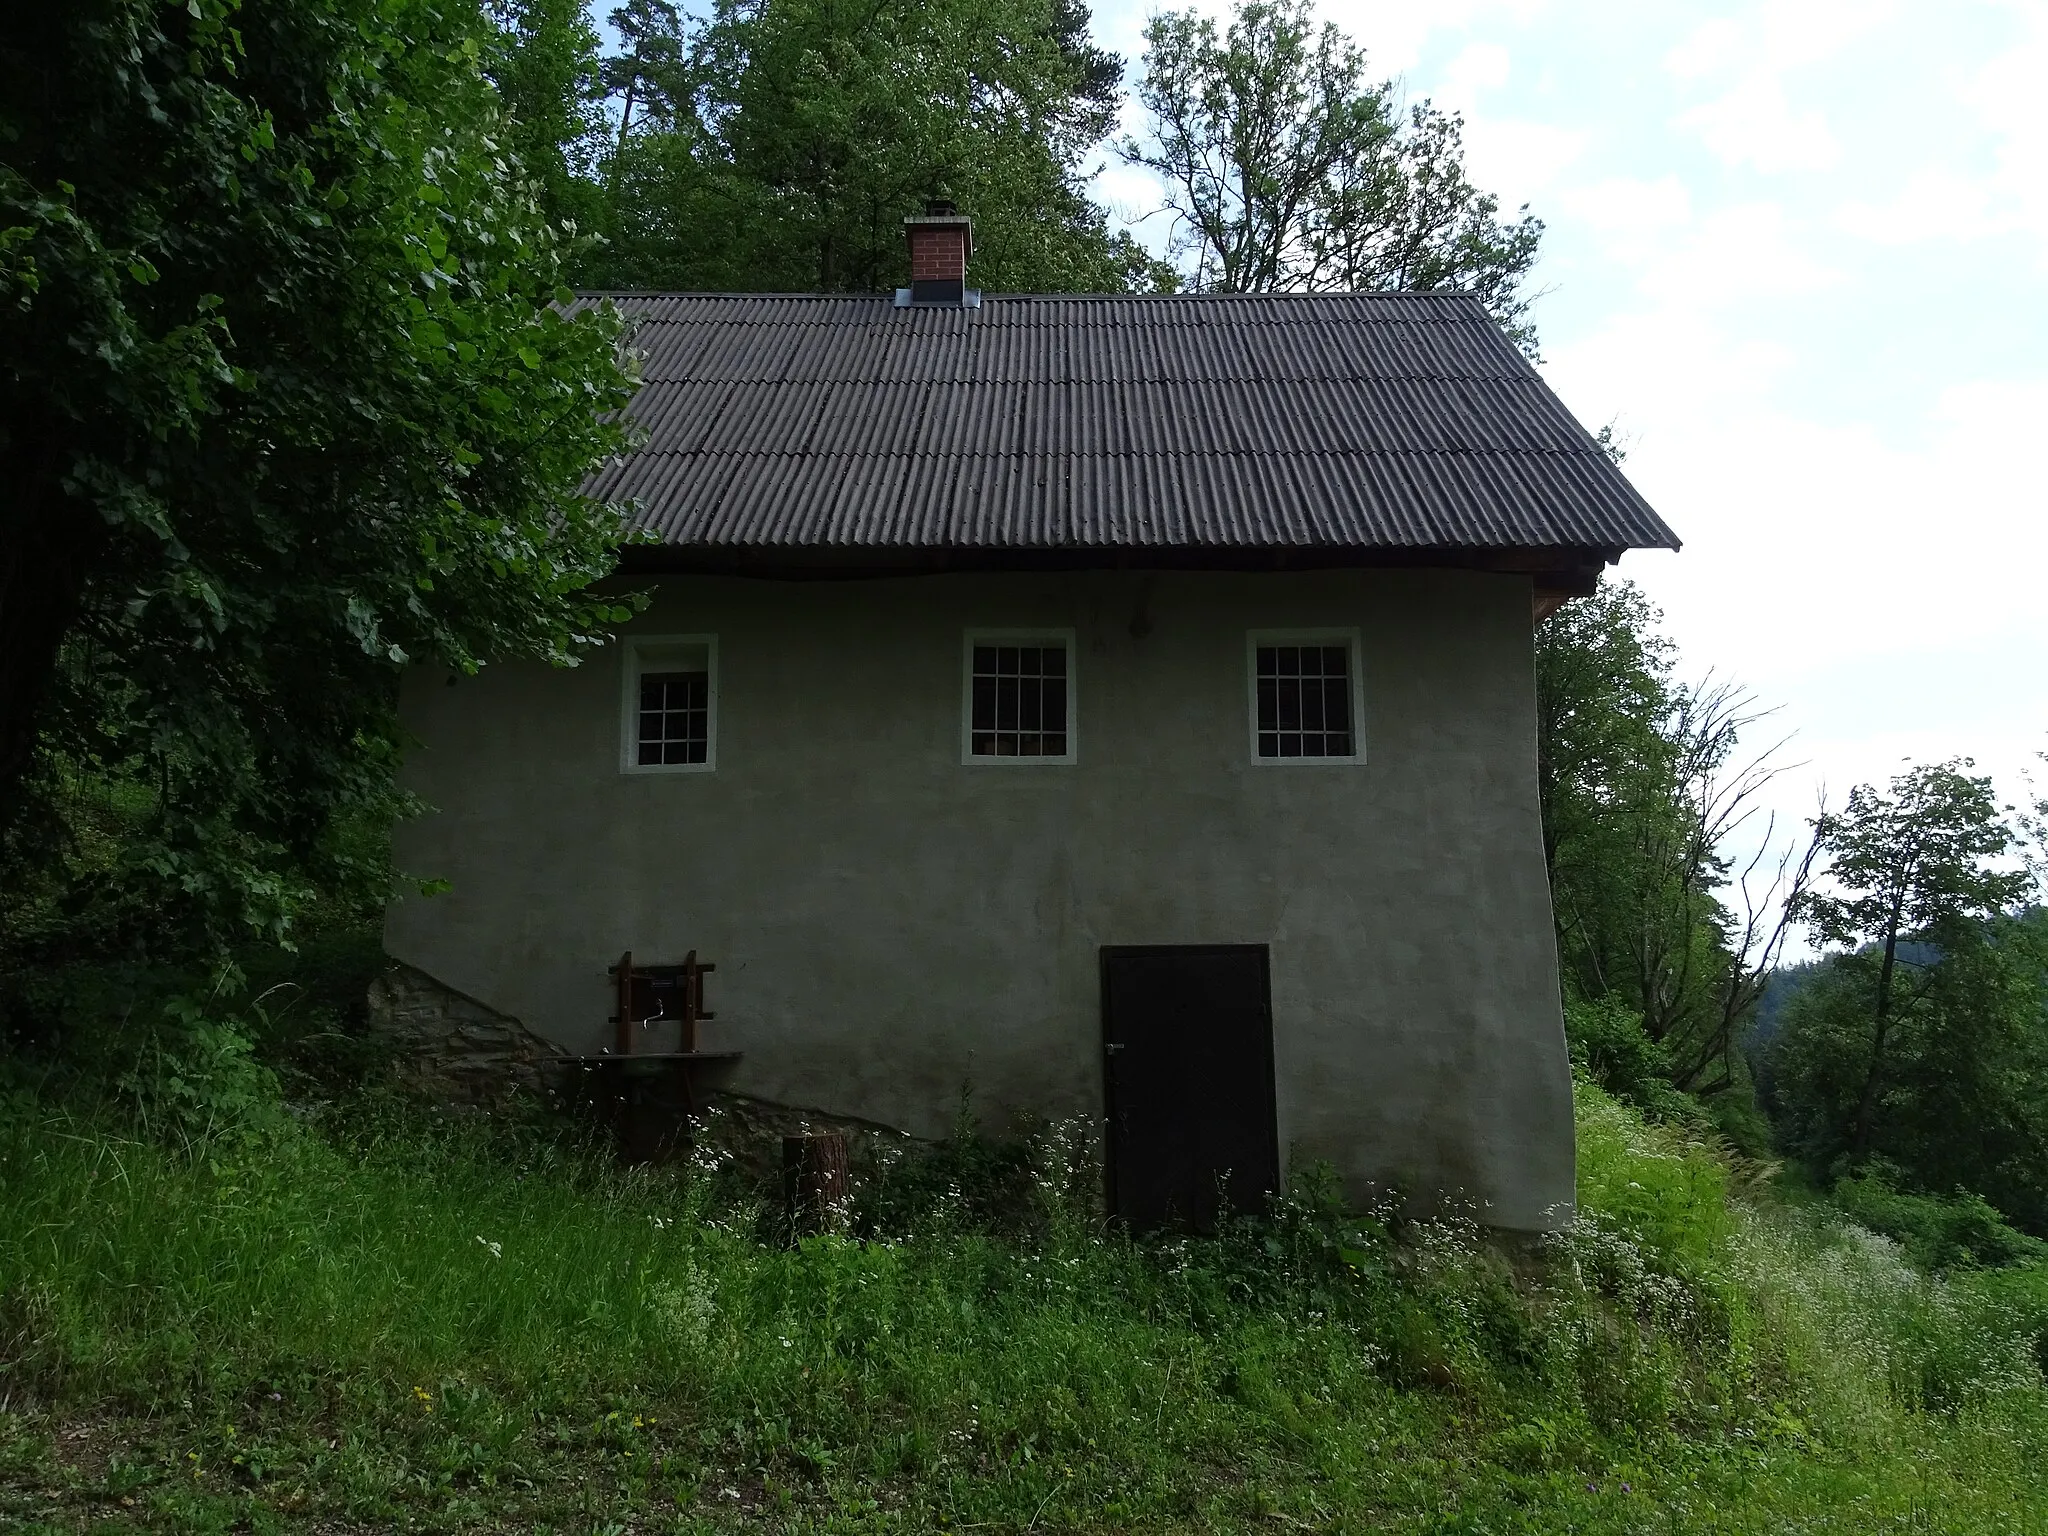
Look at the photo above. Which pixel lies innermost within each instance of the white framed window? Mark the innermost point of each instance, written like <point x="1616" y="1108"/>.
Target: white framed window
<point x="1017" y="696"/>
<point x="668" y="704"/>
<point x="1307" y="695"/>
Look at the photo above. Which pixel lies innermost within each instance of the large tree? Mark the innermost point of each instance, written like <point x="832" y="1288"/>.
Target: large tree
<point x="1918" y="880"/>
<point x="783" y="151"/>
<point x="1645" y="790"/>
<point x="1286" y="168"/>
<point x="545" y="61"/>
<point x="1960" y="1097"/>
<point x="285" y="404"/>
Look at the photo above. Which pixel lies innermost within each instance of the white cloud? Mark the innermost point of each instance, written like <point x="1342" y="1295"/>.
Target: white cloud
<point x="1709" y="48"/>
<point x="1862" y="539"/>
<point x="1771" y="37"/>
<point x="1517" y="159"/>
<point x="1759" y="120"/>
<point x="1635" y="219"/>
<point x="1128" y="191"/>
<point x="1753" y="124"/>
<point x="1479" y="68"/>
<point x="1935" y="203"/>
<point x="1629" y="205"/>
<point x="1396" y="33"/>
<point x="1664" y="371"/>
<point x="1813" y="547"/>
<point x="1882" y="594"/>
<point x="2009" y="101"/>
<point x="1744" y="252"/>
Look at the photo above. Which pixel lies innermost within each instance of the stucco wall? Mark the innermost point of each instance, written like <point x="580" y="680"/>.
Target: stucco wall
<point x="889" y="923"/>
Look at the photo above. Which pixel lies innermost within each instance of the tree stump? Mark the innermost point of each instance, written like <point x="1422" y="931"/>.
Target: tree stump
<point x="814" y="1181"/>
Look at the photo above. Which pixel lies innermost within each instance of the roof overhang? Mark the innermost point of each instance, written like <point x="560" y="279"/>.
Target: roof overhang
<point x="1567" y="571"/>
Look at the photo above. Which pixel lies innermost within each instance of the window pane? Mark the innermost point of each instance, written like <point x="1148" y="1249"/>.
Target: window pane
<point x="1311" y="706"/>
<point x="1302" y="701"/>
<point x="675" y="718"/>
<point x="1337" y="704"/>
<point x="1017" y="701"/>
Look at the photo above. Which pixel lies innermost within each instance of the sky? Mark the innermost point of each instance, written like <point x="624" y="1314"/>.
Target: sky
<point x="1798" y="253"/>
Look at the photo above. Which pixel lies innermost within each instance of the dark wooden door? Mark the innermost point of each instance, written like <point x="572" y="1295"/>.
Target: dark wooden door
<point x="1187" y="1033"/>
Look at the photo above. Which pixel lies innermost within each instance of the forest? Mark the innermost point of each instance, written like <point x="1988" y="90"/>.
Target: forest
<point x="293" y="397"/>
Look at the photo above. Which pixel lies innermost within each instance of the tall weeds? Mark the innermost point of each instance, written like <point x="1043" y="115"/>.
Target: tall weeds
<point x="440" y="1283"/>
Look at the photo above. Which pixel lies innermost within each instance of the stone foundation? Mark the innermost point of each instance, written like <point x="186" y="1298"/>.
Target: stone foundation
<point x="450" y="1047"/>
<point x="746" y="1135"/>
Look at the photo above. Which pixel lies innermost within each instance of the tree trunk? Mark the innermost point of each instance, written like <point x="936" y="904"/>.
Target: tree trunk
<point x="625" y="120"/>
<point x="814" y="1181"/>
<point x="1859" y="1138"/>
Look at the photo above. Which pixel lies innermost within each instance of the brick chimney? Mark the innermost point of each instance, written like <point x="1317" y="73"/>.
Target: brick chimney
<point x="940" y="243"/>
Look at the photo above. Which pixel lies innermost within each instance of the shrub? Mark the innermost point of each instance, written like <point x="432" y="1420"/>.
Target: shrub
<point x="1610" y="1045"/>
<point x="1860" y="1329"/>
<point x="1938" y="1232"/>
<point x="1662" y="1185"/>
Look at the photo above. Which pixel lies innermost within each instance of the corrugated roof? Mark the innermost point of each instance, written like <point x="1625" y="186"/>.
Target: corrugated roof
<point x="1338" y="422"/>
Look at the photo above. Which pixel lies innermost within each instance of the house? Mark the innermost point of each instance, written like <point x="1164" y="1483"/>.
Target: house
<point x="1121" y="705"/>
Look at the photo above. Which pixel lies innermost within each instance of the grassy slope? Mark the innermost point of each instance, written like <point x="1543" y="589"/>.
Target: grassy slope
<point x="453" y="1328"/>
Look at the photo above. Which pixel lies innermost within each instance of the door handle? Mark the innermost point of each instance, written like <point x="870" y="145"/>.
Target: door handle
<point x="1111" y="1047"/>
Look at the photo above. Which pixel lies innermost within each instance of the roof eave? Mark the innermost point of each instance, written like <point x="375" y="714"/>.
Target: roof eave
<point x="1572" y="567"/>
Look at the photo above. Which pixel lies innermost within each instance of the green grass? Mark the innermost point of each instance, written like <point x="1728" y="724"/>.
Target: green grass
<point x="454" y="1325"/>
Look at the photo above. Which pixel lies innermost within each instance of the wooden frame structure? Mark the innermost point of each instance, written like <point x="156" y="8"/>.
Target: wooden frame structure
<point x="648" y="1097"/>
<point x="658" y="994"/>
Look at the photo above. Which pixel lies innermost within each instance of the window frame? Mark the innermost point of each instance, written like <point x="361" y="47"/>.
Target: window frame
<point x="1344" y="635"/>
<point x="969" y="758"/>
<point x="632" y="667"/>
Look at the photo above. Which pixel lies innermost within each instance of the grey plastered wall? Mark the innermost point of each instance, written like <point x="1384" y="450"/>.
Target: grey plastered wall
<point x="890" y="923"/>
